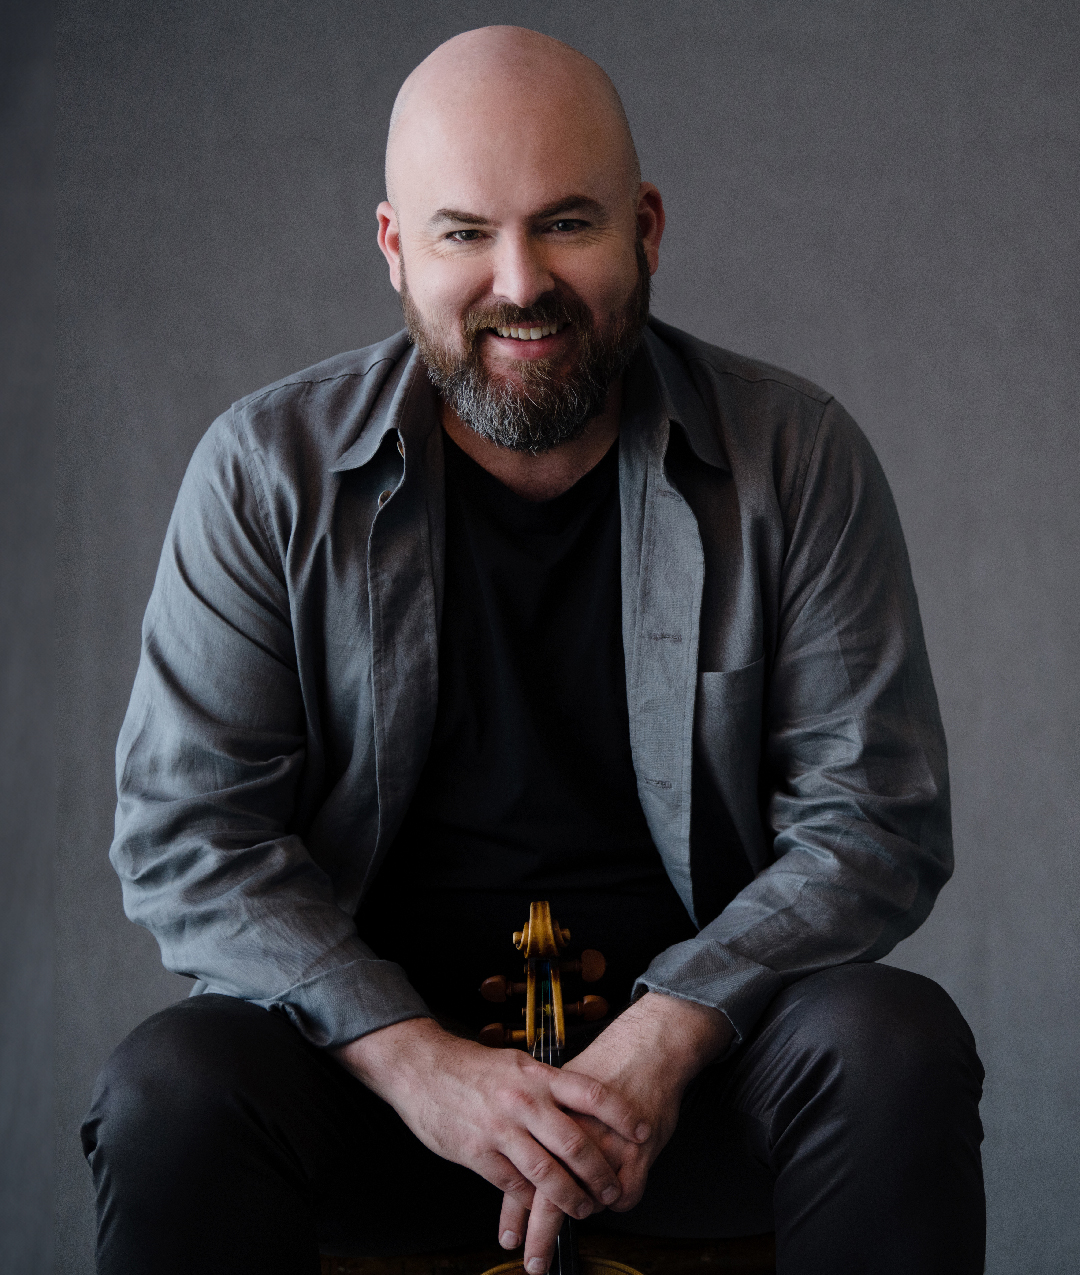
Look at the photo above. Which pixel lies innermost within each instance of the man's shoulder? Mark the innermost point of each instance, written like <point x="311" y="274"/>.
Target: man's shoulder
<point x="743" y="413"/>
<point x="333" y="394"/>
<point x="322" y="408"/>
<point x="351" y="365"/>
<point x="714" y="361"/>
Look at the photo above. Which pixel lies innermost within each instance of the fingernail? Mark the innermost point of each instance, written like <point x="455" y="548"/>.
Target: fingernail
<point x="610" y="1195"/>
<point x="583" y="1210"/>
<point x="536" y="1267"/>
<point x="509" y="1239"/>
<point x="642" y="1131"/>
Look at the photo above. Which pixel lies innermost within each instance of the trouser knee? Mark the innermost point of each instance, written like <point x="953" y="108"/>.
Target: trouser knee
<point x="881" y="1043"/>
<point x="171" y="1084"/>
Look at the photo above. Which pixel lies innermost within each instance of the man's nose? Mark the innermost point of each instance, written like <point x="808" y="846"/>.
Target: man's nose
<point x="522" y="275"/>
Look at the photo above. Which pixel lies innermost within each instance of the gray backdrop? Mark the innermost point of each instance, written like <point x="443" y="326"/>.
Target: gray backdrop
<point x="880" y="196"/>
<point x="27" y="829"/>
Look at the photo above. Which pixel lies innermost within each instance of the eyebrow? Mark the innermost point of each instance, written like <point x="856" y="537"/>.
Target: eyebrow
<point x="571" y="203"/>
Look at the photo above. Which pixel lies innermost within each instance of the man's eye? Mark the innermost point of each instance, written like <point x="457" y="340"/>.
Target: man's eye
<point x="464" y="236"/>
<point x="566" y="224"/>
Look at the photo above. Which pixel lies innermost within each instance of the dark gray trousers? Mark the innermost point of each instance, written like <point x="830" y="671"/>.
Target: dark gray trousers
<point x="220" y="1141"/>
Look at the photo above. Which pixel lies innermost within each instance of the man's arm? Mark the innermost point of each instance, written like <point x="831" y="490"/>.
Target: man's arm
<point x="853" y="780"/>
<point x="209" y="765"/>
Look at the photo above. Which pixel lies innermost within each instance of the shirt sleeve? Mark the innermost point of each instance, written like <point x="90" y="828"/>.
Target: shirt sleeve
<point x="854" y="787"/>
<point x="208" y="765"/>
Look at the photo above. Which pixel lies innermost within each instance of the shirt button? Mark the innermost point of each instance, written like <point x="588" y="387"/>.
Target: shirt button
<point x="401" y="449"/>
<point x="384" y="497"/>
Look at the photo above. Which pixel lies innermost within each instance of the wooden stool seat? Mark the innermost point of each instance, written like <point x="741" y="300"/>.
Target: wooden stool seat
<point x="747" y="1255"/>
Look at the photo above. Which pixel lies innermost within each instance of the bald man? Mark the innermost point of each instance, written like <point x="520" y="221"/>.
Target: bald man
<point x="540" y="598"/>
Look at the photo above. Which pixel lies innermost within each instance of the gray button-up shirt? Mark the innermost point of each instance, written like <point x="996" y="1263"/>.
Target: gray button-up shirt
<point x="285" y="699"/>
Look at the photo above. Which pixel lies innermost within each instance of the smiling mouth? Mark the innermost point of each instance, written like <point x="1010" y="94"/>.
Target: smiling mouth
<point x="529" y="334"/>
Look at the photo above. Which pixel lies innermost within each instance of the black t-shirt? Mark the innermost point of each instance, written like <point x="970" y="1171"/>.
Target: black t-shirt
<point x="528" y="791"/>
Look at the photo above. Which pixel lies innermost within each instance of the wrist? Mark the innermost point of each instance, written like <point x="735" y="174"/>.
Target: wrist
<point x="687" y="1035"/>
<point x="393" y="1057"/>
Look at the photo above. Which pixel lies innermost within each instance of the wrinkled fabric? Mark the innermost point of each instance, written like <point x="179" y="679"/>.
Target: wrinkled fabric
<point x="286" y="693"/>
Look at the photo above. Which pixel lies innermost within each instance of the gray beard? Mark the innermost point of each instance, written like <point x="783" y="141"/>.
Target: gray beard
<point x="542" y="409"/>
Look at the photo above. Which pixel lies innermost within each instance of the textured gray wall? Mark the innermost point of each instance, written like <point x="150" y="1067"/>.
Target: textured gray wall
<point x="27" y="790"/>
<point x="880" y="196"/>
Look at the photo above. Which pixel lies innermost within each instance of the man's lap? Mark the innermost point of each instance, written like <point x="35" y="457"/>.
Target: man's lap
<point x="226" y="1107"/>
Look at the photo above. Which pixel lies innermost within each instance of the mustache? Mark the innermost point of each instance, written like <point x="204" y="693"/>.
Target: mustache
<point x="548" y="309"/>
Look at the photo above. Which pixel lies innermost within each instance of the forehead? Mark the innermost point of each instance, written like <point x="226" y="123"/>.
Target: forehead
<point x="504" y="154"/>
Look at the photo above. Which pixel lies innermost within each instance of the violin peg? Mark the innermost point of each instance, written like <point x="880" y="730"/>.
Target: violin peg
<point x="498" y="987"/>
<point x="494" y="1035"/>
<point x="495" y="989"/>
<point x="591" y="966"/>
<point x="590" y="1009"/>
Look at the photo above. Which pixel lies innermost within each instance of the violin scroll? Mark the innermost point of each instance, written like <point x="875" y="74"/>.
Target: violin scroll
<point x="541" y="941"/>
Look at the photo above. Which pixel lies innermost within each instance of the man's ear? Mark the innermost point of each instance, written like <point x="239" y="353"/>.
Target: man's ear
<point x="390" y="241"/>
<point x="650" y="223"/>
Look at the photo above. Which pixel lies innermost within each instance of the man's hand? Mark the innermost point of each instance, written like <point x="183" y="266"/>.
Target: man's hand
<point x="502" y="1114"/>
<point x="648" y="1056"/>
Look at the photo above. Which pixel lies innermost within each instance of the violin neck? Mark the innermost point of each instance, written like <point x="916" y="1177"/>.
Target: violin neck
<point x="547" y="1050"/>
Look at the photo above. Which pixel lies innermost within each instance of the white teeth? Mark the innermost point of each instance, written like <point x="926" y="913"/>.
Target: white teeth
<point x="528" y="334"/>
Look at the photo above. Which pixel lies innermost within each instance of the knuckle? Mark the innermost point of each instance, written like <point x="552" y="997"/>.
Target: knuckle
<point x="516" y="1184"/>
<point x="539" y="1169"/>
<point x="574" y="1145"/>
<point x="595" y="1093"/>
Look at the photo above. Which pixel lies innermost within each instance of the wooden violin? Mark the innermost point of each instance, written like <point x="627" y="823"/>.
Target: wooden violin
<point x="541" y="941"/>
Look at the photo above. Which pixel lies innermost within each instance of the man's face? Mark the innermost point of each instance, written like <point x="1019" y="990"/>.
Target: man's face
<point x="512" y="226"/>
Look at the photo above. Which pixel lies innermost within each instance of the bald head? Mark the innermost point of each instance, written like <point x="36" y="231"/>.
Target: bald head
<point x="517" y="212"/>
<point x="496" y="90"/>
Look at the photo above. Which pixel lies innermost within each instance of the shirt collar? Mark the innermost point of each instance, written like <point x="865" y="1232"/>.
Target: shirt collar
<point x="680" y="401"/>
<point x="405" y="406"/>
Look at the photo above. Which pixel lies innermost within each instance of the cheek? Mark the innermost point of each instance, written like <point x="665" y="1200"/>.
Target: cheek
<point x="443" y="289"/>
<point x="605" y="286"/>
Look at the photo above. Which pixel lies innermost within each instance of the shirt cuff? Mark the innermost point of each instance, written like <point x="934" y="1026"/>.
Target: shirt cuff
<point x="348" y="1001"/>
<point x="713" y="975"/>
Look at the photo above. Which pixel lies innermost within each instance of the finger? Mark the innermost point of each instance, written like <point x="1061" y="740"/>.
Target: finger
<point x="573" y="1146"/>
<point x="633" y="1176"/>
<point x="582" y="1093"/>
<point x="545" y="1223"/>
<point x="512" y="1219"/>
<point x="499" y="1171"/>
<point x="546" y="1174"/>
<point x="633" y="1188"/>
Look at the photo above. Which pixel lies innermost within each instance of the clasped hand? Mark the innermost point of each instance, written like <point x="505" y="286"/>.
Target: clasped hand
<point x="556" y="1142"/>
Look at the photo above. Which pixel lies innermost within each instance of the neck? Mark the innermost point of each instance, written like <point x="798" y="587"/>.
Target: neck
<point x="552" y="472"/>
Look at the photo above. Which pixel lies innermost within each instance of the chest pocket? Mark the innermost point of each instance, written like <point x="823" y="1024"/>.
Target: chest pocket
<point x="727" y="741"/>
